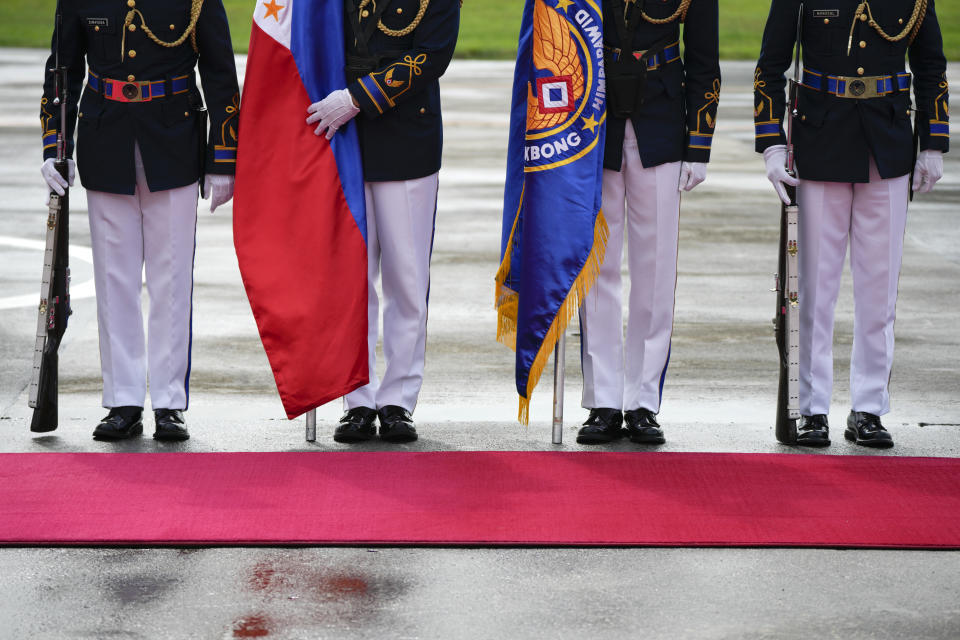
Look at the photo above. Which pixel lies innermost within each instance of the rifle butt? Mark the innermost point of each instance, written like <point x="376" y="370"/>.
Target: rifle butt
<point x="786" y="427"/>
<point x="45" y="414"/>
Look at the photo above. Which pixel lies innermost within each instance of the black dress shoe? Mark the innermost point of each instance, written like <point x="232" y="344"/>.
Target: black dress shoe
<point x="170" y="425"/>
<point x="813" y="431"/>
<point x="396" y="425"/>
<point x="356" y="425"/>
<point x="602" y="426"/>
<point x="121" y="423"/>
<point x="865" y="429"/>
<point x="642" y="426"/>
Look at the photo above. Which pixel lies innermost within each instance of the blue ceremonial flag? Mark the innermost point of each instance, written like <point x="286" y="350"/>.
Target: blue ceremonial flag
<point x="554" y="234"/>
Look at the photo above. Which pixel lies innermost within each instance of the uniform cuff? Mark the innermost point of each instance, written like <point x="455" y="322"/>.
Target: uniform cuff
<point x="696" y="152"/>
<point x="370" y="97"/>
<point x="224" y="155"/>
<point x="768" y="134"/>
<point x="221" y="168"/>
<point x="939" y="129"/>
<point x="934" y="143"/>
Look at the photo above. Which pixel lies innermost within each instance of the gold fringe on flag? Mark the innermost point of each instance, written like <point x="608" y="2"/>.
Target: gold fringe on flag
<point x="507" y="305"/>
<point x="507" y="300"/>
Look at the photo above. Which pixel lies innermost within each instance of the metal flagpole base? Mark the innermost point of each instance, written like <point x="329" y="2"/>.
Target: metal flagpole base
<point x="312" y="425"/>
<point x="559" y="354"/>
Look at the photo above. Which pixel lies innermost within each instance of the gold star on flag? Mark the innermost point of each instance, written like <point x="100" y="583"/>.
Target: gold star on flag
<point x="273" y="9"/>
<point x="590" y="123"/>
<point x="563" y="4"/>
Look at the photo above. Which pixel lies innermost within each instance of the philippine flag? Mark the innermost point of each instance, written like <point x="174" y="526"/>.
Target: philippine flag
<point x="299" y="220"/>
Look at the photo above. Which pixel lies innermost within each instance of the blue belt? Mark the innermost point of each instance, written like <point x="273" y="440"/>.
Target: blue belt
<point x="669" y="54"/>
<point x="856" y="87"/>
<point x="141" y="91"/>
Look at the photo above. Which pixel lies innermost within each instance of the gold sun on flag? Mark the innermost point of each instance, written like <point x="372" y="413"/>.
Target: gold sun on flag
<point x="563" y="4"/>
<point x="273" y="9"/>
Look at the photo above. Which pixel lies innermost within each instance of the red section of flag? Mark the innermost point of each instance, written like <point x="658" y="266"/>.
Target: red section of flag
<point x="301" y="255"/>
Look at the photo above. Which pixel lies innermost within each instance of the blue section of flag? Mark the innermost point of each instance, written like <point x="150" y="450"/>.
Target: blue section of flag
<point x="317" y="45"/>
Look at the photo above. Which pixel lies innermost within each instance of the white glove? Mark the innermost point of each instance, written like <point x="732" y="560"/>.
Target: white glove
<point x="929" y="169"/>
<point x="332" y="112"/>
<point x="776" y="159"/>
<point x="54" y="180"/>
<point x="219" y="188"/>
<point x="692" y="174"/>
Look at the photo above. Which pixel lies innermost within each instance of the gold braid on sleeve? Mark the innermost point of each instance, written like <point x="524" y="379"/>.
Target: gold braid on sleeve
<point x="911" y="29"/>
<point x="190" y="32"/>
<point x="398" y="33"/>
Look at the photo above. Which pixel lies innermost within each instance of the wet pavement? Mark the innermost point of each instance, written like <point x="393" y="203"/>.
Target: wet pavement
<point x="719" y="396"/>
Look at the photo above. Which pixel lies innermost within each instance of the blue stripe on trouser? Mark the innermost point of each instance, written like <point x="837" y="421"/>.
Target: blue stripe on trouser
<point x="663" y="374"/>
<point x="186" y="378"/>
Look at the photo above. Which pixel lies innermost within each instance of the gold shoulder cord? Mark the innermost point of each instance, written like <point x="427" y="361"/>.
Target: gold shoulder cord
<point x="398" y="33"/>
<point x="864" y="14"/>
<point x="681" y="13"/>
<point x="190" y="32"/>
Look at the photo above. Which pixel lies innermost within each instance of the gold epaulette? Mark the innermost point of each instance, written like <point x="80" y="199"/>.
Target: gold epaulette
<point x="399" y="33"/>
<point x="912" y="28"/>
<point x="189" y="32"/>
<point x="680" y="13"/>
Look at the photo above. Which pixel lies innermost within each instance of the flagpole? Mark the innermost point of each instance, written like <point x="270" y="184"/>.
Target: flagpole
<point x="312" y="425"/>
<point x="559" y="354"/>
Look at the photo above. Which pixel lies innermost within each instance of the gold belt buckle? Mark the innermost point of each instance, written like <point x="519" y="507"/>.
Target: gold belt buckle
<point x="133" y="91"/>
<point x="859" y="88"/>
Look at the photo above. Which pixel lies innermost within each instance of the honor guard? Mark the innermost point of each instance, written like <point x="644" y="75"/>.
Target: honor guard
<point x="855" y="149"/>
<point x="142" y="148"/>
<point x="661" y="116"/>
<point x="396" y="52"/>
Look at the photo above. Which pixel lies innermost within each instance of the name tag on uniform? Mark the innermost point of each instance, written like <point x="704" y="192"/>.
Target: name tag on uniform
<point x="826" y="13"/>
<point x="98" y="22"/>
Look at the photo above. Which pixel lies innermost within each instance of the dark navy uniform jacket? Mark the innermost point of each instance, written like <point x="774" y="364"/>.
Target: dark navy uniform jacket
<point x="834" y="136"/>
<point x="167" y="127"/>
<point x="401" y="131"/>
<point x="678" y="116"/>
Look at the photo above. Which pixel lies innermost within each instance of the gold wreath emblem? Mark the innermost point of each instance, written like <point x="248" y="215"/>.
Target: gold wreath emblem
<point x="554" y="50"/>
<point x="390" y="82"/>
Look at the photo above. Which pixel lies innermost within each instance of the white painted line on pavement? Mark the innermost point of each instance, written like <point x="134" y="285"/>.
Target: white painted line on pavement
<point x="80" y="291"/>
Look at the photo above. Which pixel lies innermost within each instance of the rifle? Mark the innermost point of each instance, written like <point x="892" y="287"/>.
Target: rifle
<point x="54" y="288"/>
<point x="787" y="281"/>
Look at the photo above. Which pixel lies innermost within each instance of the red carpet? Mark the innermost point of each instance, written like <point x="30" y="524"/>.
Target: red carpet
<point x="479" y="498"/>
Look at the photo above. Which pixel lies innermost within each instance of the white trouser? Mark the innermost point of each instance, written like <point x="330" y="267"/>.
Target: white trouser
<point x="649" y="201"/>
<point x="873" y="216"/>
<point x="400" y="219"/>
<point x="156" y="229"/>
